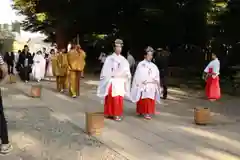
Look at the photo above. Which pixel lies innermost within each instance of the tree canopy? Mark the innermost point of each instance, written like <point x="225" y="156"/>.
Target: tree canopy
<point x="160" y="23"/>
<point x="165" y="21"/>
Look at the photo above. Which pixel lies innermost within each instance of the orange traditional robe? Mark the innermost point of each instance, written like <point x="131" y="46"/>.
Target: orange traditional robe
<point x="62" y="66"/>
<point x="76" y="63"/>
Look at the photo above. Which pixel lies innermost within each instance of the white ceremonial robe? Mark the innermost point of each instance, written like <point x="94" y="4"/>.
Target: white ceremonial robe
<point x="215" y="66"/>
<point x="49" y="72"/>
<point x="38" y="68"/>
<point x="115" y="72"/>
<point x="146" y="82"/>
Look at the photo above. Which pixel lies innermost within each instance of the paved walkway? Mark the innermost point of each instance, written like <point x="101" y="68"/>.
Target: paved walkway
<point x="52" y="127"/>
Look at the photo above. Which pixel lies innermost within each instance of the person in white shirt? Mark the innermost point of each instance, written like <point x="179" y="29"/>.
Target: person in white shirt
<point x="114" y="82"/>
<point x="131" y="62"/>
<point x="212" y="72"/>
<point x="146" y="86"/>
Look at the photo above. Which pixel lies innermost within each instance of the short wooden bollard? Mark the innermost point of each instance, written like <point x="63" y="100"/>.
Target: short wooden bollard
<point x="36" y="91"/>
<point x="94" y="122"/>
<point x="202" y="116"/>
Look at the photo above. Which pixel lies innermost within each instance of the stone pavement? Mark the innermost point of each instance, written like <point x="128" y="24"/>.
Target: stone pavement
<point x="38" y="133"/>
<point x="53" y="127"/>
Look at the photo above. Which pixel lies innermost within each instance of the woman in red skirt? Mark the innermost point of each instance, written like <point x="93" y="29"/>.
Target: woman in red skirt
<point x="212" y="72"/>
<point x="146" y="86"/>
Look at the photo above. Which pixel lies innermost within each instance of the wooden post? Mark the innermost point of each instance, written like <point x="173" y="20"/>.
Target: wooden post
<point x="202" y="116"/>
<point x="94" y="122"/>
<point x="36" y="91"/>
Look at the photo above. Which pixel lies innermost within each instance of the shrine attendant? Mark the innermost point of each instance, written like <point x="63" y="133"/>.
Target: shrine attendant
<point x="146" y="86"/>
<point x="62" y="64"/>
<point x="212" y="72"/>
<point x="114" y="82"/>
<point x="38" y="67"/>
<point x="76" y="61"/>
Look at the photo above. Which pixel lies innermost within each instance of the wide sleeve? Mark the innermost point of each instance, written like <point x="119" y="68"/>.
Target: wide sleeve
<point x="105" y="78"/>
<point x="206" y="70"/>
<point x="128" y="80"/>
<point x="136" y="84"/>
<point x="216" y="67"/>
<point x="157" y="75"/>
<point x="105" y="68"/>
<point x="158" y="86"/>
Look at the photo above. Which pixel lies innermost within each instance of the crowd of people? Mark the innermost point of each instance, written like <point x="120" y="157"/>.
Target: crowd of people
<point x="146" y="87"/>
<point x="149" y="82"/>
<point x="29" y="65"/>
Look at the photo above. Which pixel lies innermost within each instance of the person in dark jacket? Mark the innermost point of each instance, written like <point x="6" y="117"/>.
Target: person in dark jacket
<point x="161" y="60"/>
<point x="24" y="65"/>
<point x="9" y="59"/>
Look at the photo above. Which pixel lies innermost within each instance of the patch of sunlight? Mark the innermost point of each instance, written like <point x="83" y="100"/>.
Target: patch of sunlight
<point x="212" y="136"/>
<point x="218" y="155"/>
<point x="25" y="141"/>
<point x="174" y="90"/>
<point x="41" y="16"/>
<point x="91" y="82"/>
<point x="63" y="97"/>
<point x="3" y="89"/>
<point x="168" y="114"/>
<point x="187" y="156"/>
<point x="60" y="117"/>
<point x="174" y="98"/>
<point x="19" y="97"/>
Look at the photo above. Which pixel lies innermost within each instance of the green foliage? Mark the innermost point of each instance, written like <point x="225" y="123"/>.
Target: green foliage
<point x="139" y="23"/>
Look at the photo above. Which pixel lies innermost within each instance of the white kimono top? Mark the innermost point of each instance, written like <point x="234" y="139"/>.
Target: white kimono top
<point x="215" y="65"/>
<point x="38" y="67"/>
<point x="146" y="82"/>
<point x="115" y="72"/>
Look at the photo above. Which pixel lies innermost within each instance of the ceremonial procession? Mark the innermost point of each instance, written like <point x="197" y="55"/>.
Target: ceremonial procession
<point x="119" y="80"/>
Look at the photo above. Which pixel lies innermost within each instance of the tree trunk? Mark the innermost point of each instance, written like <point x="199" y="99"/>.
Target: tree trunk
<point x="61" y="38"/>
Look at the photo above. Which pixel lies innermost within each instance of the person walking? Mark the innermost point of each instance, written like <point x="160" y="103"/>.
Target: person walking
<point x="9" y="59"/>
<point x="5" y="146"/>
<point x="161" y="60"/>
<point x="145" y="89"/>
<point x="38" y="67"/>
<point x="131" y="62"/>
<point x="115" y="82"/>
<point x="24" y="65"/>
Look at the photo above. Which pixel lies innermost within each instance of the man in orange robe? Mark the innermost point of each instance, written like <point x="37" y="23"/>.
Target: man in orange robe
<point x="76" y="62"/>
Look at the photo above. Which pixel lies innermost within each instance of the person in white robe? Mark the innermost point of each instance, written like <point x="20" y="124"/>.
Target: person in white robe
<point x="38" y="68"/>
<point x="114" y="83"/>
<point x="146" y="86"/>
<point x="49" y="72"/>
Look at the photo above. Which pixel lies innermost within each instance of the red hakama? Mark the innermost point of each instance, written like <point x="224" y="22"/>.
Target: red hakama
<point x="212" y="87"/>
<point x="113" y="106"/>
<point x="146" y="106"/>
